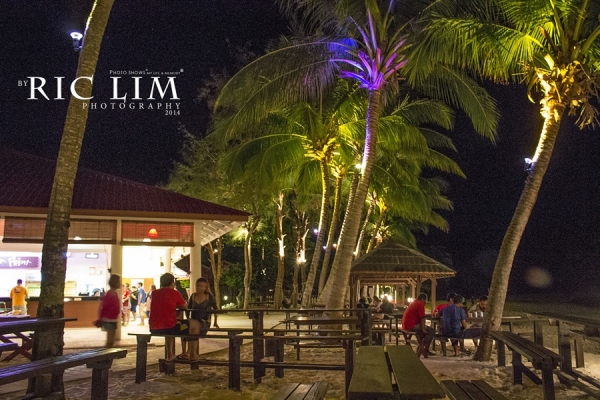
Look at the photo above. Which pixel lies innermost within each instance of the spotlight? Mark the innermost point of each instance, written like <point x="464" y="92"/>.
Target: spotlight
<point x="76" y="36"/>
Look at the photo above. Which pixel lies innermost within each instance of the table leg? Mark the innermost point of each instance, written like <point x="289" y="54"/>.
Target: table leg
<point x="141" y="358"/>
<point x="349" y="363"/>
<point x="100" y="379"/>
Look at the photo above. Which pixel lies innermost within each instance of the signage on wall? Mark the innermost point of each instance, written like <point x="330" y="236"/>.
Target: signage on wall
<point x="19" y="262"/>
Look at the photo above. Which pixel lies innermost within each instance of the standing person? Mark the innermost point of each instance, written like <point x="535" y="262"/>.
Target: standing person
<point x="133" y="302"/>
<point x="149" y="300"/>
<point x="414" y="320"/>
<point x="142" y="297"/>
<point x="125" y="304"/>
<point x="18" y="296"/>
<point x="110" y="308"/>
<point x="165" y="303"/>
<point x="201" y="301"/>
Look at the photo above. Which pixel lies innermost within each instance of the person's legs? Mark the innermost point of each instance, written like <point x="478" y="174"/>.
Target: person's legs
<point x="193" y="344"/>
<point x="169" y="348"/>
<point x="142" y="306"/>
<point x="110" y="338"/>
<point x="427" y="339"/>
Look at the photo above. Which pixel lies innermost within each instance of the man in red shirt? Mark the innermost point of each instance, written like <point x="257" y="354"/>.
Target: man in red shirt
<point x="165" y="303"/>
<point x="414" y="320"/>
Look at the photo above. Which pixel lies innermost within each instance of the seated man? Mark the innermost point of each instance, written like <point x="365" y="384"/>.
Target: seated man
<point x="414" y="320"/>
<point x="454" y="324"/>
<point x="478" y="307"/>
<point x="449" y="300"/>
<point x="165" y="303"/>
<point x="386" y="307"/>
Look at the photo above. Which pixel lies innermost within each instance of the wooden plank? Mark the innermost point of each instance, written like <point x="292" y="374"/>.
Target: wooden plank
<point x="571" y="381"/>
<point x="371" y="377"/>
<point x="413" y="378"/>
<point x="318" y="391"/>
<point x="472" y="391"/>
<point x="490" y="391"/>
<point x="300" y="391"/>
<point x="285" y="391"/>
<point x="454" y="391"/>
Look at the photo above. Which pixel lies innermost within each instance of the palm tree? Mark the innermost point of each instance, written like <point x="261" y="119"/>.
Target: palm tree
<point x="372" y="48"/>
<point x="549" y="45"/>
<point x="56" y="235"/>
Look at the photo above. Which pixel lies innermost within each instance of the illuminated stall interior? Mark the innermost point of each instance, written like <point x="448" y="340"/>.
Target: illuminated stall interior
<point x="117" y="226"/>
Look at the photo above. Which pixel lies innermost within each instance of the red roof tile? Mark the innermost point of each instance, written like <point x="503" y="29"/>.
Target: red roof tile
<point x="26" y="183"/>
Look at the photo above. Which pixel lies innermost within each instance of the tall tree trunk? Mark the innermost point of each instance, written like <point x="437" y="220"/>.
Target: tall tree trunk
<point x="361" y="237"/>
<point x="301" y="230"/>
<point x="278" y="295"/>
<point x="314" y="265"/>
<point x="326" y="292"/>
<point x="373" y="241"/>
<point x="342" y="263"/>
<point x="216" y="266"/>
<point x="56" y="235"/>
<point x="248" y="260"/>
<point x="337" y="201"/>
<point x="497" y="294"/>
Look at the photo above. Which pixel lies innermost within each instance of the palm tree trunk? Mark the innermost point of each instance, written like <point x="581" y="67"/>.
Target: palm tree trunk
<point x="363" y="230"/>
<point x="337" y="202"/>
<point x="56" y="235"/>
<point x="301" y="230"/>
<point x="373" y="240"/>
<point x="278" y="295"/>
<point x="342" y="263"/>
<point x="512" y="237"/>
<point x="326" y="291"/>
<point x="215" y="266"/>
<point x="248" y="261"/>
<point x="312" y="273"/>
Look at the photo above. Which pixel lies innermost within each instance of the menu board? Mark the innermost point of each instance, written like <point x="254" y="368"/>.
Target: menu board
<point x="17" y="262"/>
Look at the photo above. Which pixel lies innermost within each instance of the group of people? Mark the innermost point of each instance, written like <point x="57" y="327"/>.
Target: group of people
<point x="378" y="305"/>
<point x="452" y="322"/>
<point x="134" y="300"/>
<point x="164" y="304"/>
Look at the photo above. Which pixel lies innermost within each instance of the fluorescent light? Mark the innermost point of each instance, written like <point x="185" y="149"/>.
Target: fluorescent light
<point x="147" y="240"/>
<point x="77" y="238"/>
<point x="92" y="255"/>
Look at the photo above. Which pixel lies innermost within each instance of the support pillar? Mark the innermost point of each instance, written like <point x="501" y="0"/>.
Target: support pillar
<point x="167" y="265"/>
<point x="433" y="294"/>
<point x="412" y="291"/>
<point x="419" y="283"/>
<point x="116" y="267"/>
<point x="403" y="293"/>
<point x="195" y="260"/>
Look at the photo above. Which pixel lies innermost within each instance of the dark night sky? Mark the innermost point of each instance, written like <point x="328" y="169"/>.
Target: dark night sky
<point x="191" y="35"/>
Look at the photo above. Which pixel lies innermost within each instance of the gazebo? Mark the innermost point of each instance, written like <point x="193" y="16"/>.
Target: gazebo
<point x="395" y="265"/>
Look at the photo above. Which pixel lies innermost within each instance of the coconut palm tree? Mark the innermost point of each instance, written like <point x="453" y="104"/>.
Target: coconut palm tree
<point x="56" y="235"/>
<point x="552" y="47"/>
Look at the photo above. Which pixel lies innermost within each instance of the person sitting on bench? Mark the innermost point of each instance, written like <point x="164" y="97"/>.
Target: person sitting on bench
<point x="438" y="309"/>
<point x="165" y="303"/>
<point x="454" y="324"/>
<point x="414" y="320"/>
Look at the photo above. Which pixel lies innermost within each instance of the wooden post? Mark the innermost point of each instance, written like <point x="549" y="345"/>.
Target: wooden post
<point x="501" y="354"/>
<point x="349" y="363"/>
<point x="412" y="291"/>
<point x="579" y="357"/>
<point x="433" y="294"/>
<point x="564" y="347"/>
<point x="100" y="379"/>
<point x="538" y="333"/>
<point x="365" y="327"/>
<point x="258" y="345"/>
<point x="141" y="358"/>
<point x="403" y="294"/>
<point x="279" y="352"/>
<point x="517" y="368"/>
<point x="418" y="289"/>
<point x="235" y="343"/>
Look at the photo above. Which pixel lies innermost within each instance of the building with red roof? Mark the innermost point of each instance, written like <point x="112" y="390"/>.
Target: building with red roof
<point x="117" y="226"/>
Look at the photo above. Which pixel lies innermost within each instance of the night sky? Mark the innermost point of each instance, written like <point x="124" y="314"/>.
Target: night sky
<point x="195" y="36"/>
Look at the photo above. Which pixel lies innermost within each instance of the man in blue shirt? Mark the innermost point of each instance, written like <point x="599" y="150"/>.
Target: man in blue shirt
<point x="454" y="323"/>
<point x="142" y="296"/>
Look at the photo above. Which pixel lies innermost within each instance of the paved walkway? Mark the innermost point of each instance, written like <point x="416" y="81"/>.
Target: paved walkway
<point x="87" y="338"/>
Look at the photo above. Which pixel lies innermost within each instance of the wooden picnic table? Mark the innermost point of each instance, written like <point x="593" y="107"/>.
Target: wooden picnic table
<point x="17" y="329"/>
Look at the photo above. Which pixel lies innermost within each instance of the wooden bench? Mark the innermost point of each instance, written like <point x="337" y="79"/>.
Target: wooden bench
<point x="540" y="357"/>
<point x="99" y="360"/>
<point x="371" y="377"/>
<point x="471" y="390"/>
<point x="303" y="391"/>
<point x="413" y="379"/>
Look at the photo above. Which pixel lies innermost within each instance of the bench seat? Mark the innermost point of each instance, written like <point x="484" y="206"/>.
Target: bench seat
<point x="471" y="390"/>
<point x="8" y="347"/>
<point x="540" y="357"/>
<point x="99" y="360"/>
<point x="303" y="391"/>
<point x="371" y="376"/>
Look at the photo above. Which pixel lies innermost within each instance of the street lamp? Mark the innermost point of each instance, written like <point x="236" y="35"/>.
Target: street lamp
<point x="76" y="36"/>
